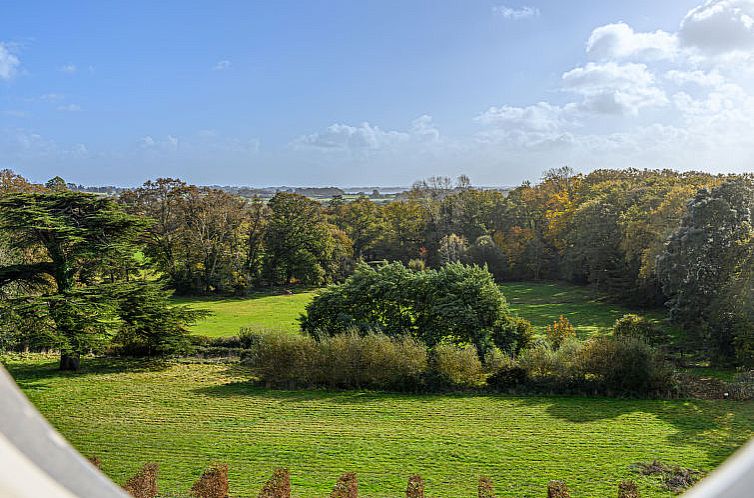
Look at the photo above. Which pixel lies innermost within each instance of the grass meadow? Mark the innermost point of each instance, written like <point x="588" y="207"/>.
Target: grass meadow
<point x="187" y="415"/>
<point x="263" y="310"/>
<point x="540" y="303"/>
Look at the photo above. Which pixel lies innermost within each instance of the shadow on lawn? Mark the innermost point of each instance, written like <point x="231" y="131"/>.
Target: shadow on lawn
<point x="31" y="375"/>
<point x="716" y="427"/>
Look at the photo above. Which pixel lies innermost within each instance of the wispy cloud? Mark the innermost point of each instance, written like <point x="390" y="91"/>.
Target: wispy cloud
<point x="69" y="108"/>
<point x="524" y="12"/>
<point x="221" y="65"/>
<point x="9" y="63"/>
<point x="69" y="68"/>
<point x="51" y="97"/>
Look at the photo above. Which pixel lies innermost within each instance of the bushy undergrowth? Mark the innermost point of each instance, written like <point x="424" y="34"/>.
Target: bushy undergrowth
<point x="602" y="365"/>
<point x="640" y="327"/>
<point x="343" y="361"/>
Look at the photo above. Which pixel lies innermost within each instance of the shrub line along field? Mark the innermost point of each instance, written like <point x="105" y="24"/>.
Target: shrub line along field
<point x="187" y="415"/>
<point x="541" y="303"/>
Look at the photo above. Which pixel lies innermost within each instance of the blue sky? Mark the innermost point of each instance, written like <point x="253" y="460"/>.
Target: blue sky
<point x="372" y="92"/>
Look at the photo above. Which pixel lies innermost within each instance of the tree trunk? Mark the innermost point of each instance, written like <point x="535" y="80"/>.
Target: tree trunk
<point x="70" y="361"/>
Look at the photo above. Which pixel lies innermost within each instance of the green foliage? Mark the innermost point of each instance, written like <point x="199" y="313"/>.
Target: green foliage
<point x="626" y="365"/>
<point x="300" y="245"/>
<point x="344" y="361"/>
<point x="559" y="332"/>
<point x="79" y="242"/>
<point x="608" y="365"/>
<point x="456" y="303"/>
<point x="458" y="366"/>
<point x="199" y="235"/>
<point x="453" y="249"/>
<point x="150" y="323"/>
<point x="640" y="327"/>
<point x="283" y="359"/>
<point x="702" y="262"/>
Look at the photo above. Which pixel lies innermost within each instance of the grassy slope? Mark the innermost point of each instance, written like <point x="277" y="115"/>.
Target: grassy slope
<point x="185" y="416"/>
<point x="273" y="311"/>
<point x="543" y="303"/>
<point x="540" y="303"/>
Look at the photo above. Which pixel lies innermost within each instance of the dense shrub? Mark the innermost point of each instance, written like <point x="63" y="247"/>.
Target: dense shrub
<point x="343" y="361"/>
<point x="628" y="489"/>
<point x="485" y="488"/>
<point x="640" y="327"/>
<point x="606" y="365"/>
<point x="455" y="303"/>
<point x="373" y="360"/>
<point x="278" y="486"/>
<point x="559" y="332"/>
<point x="213" y="483"/>
<point x="514" y="335"/>
<point x="552" y="368"/>
<point x="603" y="364"/>
<point x="557" y="489"/>
<point x="285" y="359"/>
<point x="627" y="365"/>
<point x="346" y="487"/>
<point x="415" y="487"/>
<point x="742" y="386"/>
<point x="144" y="483"/>
<point x="503" y="371"/>
<point x="458" y="366"/>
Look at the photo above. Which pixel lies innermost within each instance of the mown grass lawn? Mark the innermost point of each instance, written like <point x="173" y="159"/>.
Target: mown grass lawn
<point x="540" y="303"/>
<point x="263" y="310"/>
<point x="185" y="416"/>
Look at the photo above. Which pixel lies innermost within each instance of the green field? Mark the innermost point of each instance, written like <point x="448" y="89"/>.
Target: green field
<point x="265" y="310"/>
<point x="185" y="416"/>
<point x="540" y="303"/>
<point x="543" y="302"/>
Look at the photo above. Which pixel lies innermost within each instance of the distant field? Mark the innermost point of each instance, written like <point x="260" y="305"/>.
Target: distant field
<point x="186" y="416"/>
<point x="272" y="311"/>
<point x="543" y="303"/>
<point x="540" y="303"/>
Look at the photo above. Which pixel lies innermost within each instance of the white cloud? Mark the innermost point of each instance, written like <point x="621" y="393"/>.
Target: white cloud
<point x="69" y="108"/>
<point x="524" y="12"/>
<point x="719" y="27"/>
<point x="424" y="129"/>
<point x="24" y="146"/>
<point x="612" y="88"/>
<point x="68" y="68"/>
<point x="203" y="143"/>
<point x="697" y="77"/>
<point x="343" y="137"/>
<point x="540" y="117"/>
<point x="9" y="63"/>
<point x="620" y="41"/>
<point x="221" y="65"/>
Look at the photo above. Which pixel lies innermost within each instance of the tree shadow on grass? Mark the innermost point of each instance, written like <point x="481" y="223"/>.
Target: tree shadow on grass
<point x="32" y="375"/>
<point x="717" y="428"/>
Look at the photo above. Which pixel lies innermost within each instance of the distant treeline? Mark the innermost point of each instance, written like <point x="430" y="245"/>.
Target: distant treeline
<point x="644" y="237"/>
